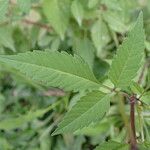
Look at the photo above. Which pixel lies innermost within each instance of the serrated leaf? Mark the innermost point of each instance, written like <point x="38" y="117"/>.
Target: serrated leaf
<point x="54" y="69"/>
<point x="57" y="14"/>
<point x="129" y="56"/>
<point x="77" y="11"/>
<point x="89" y="109"/>
<point x="111" y="145"/>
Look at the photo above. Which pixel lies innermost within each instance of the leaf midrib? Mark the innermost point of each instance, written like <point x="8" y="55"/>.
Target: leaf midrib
<point x="124" y="66"/>
<point x="83" y="113"/>
<point x="61" y="72"/>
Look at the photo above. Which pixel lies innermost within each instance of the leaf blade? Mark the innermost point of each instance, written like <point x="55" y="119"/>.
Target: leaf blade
<point x="89" y="109"/>
<point x="77" y="11"/>
<point x="124" y="66"/>
<point x="3" y="9"/>
<point x="100" y="35"/>
<point x="54" y="69"/>
<point x="57" y="15"/>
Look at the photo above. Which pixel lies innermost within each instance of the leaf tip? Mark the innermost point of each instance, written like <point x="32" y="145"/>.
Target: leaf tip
<point x="141" y="14"/>
<point x="140" y="18"/>
<point x="56" y="132"/>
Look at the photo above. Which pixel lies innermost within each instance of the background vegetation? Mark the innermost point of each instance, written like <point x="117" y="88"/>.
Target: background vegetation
<point x="92" y="29"/>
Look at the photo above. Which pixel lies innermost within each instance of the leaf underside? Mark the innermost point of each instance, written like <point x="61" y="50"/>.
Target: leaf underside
<point x="89" y="109"/>
<point x="129" y="56"/>
<point x="54" y="69"/>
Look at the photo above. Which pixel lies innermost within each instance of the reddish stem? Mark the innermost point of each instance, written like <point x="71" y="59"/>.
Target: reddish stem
<point x="133" y="142"/>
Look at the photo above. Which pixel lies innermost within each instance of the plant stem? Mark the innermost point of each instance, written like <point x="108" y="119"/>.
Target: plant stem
<point x="133" y="142"/>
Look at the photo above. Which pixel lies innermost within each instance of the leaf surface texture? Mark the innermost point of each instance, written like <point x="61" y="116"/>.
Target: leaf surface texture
<point x="89" y="109"/>
<point x="54" y="69"/>
<point x="129" y="56"/>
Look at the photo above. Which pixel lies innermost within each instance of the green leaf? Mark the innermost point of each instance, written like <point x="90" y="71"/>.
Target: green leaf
<point x="136" y="88"/>
<point x="145" y="98"/>
<point x="55" y="44"/>
<point x="115" y="21"/>
<point x="147" y="45"/>
<point x="129" y="56"/>
<point x="2" y="100"/>
<point x="113" y="5"/>
<point x="3" y="9"/>
<point x="144" y="146"/>
<point x="118" y="14"/>
<point x="111" y="145"/>
<point x="5" y="144"/>
<point x="92" y="3"/>
<point x="13" y="123"/>
<point x="85" y="49"/>
<point x="57" y="13"/>
<point x="6" y="38"/>
<point x="99" y="129"/>
<point x="54" y="69"/>
<point x="148" y="77"/>
<point x="21" y="41"/>
<point x="89" y="109"/>
<point x="19" y="77"/>
<point x="24" y="5"/>
<point x="100" y="35"/>
<point x="77" y="11"/>
<point x="100" y="69"/>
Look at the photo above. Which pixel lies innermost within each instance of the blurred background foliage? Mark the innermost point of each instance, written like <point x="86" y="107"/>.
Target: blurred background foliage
<point x="92" y="29"/>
